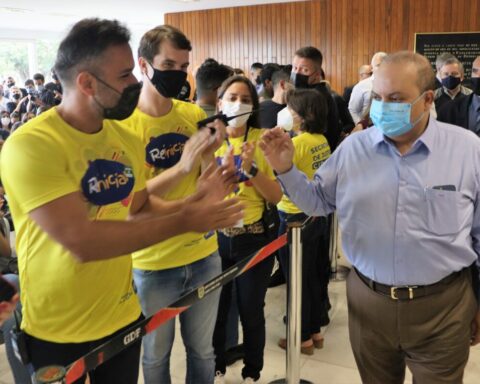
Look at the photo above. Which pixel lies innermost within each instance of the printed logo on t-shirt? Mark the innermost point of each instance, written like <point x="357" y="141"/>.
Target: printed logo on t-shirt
<point x="164" y="151"/>
<point x="107" y="182"/>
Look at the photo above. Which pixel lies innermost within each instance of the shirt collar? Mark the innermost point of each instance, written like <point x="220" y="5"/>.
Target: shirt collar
<point x="427" y="138"/>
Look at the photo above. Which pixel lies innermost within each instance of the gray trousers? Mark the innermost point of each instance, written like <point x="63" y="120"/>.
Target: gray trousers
<point x="430" y="335"/>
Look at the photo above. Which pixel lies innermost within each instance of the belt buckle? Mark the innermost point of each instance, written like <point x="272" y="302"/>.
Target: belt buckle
<point x="393" y="292"/>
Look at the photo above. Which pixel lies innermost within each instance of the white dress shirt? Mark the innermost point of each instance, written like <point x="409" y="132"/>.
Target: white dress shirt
<point x="360" y="99"/>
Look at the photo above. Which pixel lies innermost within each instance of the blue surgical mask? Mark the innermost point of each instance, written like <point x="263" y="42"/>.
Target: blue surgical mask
<point x="393" y="119"/>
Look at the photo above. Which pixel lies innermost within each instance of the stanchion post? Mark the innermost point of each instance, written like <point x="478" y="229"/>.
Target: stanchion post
<point x="294" y="307"/>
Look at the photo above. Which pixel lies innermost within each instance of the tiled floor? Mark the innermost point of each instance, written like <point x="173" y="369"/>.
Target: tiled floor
<point x="332" y="365"/>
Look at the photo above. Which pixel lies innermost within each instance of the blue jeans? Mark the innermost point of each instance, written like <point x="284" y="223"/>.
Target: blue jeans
<point x="157" y="289"/>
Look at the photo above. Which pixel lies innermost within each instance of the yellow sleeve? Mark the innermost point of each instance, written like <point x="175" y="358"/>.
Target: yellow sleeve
<point x="35" y="171"/>
<point x="140" y="164"/>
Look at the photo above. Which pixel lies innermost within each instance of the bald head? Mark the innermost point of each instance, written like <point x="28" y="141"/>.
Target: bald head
<point x="365" y="71"/>
<point x="377" y="59"/>
<point x="414" y="63"/>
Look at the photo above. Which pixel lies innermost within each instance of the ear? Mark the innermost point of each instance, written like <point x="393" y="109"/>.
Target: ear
<point x="219" y="105"/>
<point x="144" y="66"/>
<point x="86" y="83"/>
<point x="429" y="99"/>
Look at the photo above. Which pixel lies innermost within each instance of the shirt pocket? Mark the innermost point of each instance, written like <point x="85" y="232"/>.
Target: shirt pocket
<point x="443" y="211"/>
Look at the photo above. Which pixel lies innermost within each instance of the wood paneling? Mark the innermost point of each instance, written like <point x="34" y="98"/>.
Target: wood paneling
<point x="348" y="32"/>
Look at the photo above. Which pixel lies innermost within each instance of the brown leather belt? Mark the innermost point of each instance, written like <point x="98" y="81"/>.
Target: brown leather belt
<point x="409" y="292"/>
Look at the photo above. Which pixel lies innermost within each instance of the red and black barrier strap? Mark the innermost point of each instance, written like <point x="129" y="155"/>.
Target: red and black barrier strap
<point x="104" y="352"/>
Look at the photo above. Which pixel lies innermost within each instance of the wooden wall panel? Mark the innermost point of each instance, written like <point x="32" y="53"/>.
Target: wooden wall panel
<point x="347" y="32"/>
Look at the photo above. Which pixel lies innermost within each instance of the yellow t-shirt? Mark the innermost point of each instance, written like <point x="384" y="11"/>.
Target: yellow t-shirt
<point x="311" y="150"/>
<point x="247" y="194"/>
<point x="163" y="139"/>
<point x="65" y="301"/>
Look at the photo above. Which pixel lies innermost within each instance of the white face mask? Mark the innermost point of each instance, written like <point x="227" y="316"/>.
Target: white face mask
<point x="285" y="119"/>
<point x="231" y="109"/>
<point x="5" y="120"/>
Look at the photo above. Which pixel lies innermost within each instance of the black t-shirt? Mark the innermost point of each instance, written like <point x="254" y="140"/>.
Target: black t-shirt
<point x="268" y="113"/>
<point x="333" y="129"/>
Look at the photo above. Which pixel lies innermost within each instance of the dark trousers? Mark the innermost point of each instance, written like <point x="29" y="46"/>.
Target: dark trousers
<point x="430" y="334"/>
<point x="120" y="369"/>
<point x="315" y="271"/>
<point x="251" y="288"/>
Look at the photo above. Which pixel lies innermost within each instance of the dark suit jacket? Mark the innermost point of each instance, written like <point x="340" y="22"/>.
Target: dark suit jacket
<point x="456" y="112"/>
<point x="347" y="93"/>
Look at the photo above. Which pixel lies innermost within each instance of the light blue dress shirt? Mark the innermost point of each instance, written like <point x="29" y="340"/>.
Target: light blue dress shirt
<point x="398" y="227"/>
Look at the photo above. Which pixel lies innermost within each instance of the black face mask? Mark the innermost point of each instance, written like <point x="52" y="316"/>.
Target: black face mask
<point x="168" y="83"/>
<point x="10" y="84"/>
<point x="299" y="80"/>
<point x="16" y="96"/>
<point x="475" y="85"/>
<point x="451" y="82"/>
<point x="125" y="105"/>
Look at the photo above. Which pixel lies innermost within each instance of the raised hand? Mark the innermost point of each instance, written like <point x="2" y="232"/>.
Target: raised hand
<point x="193" y="150"/>
<point x="248" y="152"/>
<point x="218" y="182"/>
<point x="218" y="132"/>
<point x="277" y="147"/>
<point x="205" y="213"/>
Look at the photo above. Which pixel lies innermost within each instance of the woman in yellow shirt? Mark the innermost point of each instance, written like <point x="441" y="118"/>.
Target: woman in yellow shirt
<point x="306" y="111"/>
<point x="257" y="185"/>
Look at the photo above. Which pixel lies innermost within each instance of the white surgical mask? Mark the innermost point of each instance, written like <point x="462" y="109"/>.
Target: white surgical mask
<point x="5" y="121"/>
<point x="236" y="108"/>
<point x="285" y="119"/>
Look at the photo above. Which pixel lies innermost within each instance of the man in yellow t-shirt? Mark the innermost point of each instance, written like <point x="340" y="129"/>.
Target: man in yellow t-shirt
<point x="167" y="270"/>
<point x="73" y="176"/>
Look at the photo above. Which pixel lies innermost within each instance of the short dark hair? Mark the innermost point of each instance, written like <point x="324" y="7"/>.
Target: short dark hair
<point x="311" y="106"/>
<point x="280" y="75"/>
<point x="267" y="71"/>
<point x="253" y="119"/>
<point x="39" y="76"/>
<point x="238" y="71"/>
<point x="47" y="97"/>
<point x="210" y="76"/>
<point x="311" y="53"/>
<point x="150" y="42"/>
<point x="85" y="43"/>
<point x="256" y="65"/>
<point x="29" y="82"/>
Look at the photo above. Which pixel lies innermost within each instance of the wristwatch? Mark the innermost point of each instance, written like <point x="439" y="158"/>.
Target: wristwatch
<point x="252" y="172"/>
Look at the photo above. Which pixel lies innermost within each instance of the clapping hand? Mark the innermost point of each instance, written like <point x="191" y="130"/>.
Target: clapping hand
<point x="277" y="147"/>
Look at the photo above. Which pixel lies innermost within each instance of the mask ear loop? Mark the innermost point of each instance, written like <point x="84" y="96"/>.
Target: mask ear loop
<point x="423" y="113"/>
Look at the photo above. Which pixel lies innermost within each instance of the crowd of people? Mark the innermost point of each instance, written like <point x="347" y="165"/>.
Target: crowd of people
<point x="20" y="104"/>
<point x="122" y="203"/>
